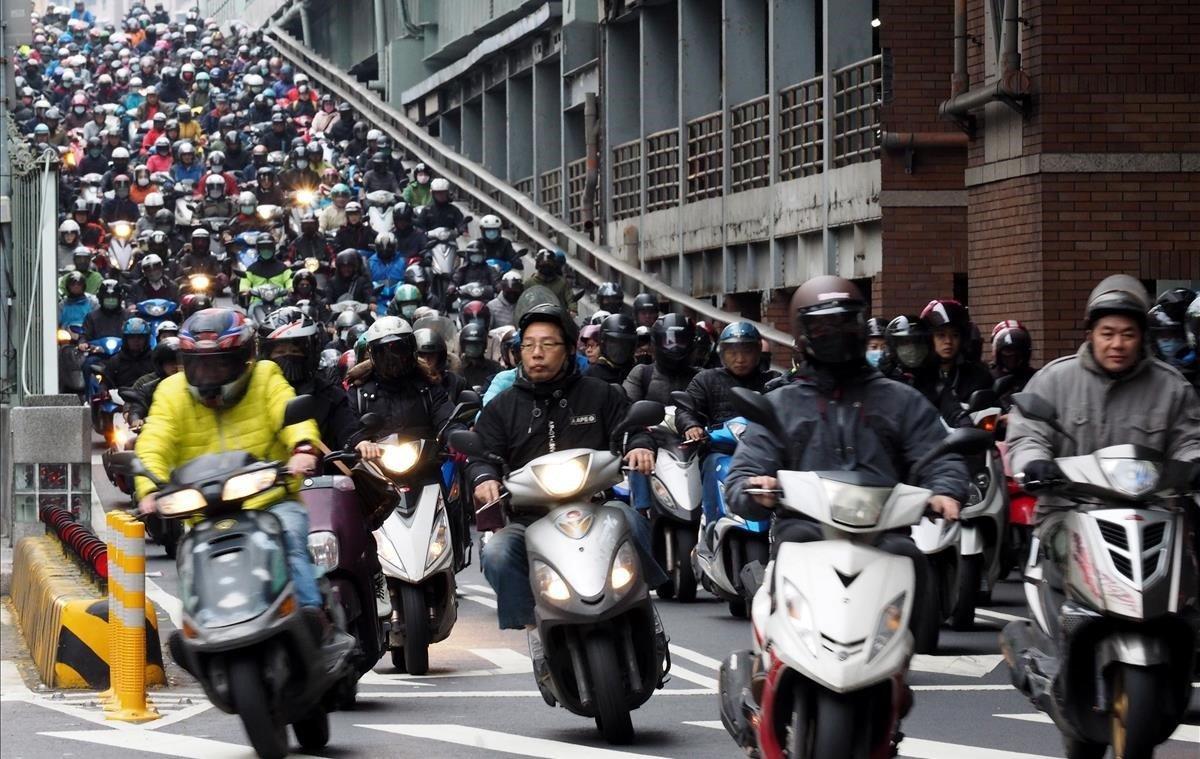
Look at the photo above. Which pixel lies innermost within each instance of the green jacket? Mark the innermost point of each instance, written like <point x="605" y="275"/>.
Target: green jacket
<point x="91" y="283"/>
<point x="559" y="287"/>
<point x="418" y="194"/>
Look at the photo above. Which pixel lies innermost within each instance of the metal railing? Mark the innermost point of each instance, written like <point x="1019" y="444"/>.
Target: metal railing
<point x="662" y="170"/>
<point x="857" y="97"/>
<point x="801" y="141"/>
<point x="627" y="180"/>
<point x="750" y="144"/>
<point x="552" y="191"/>
<point x="534" y="222"/>
<point x="705" y="161"/>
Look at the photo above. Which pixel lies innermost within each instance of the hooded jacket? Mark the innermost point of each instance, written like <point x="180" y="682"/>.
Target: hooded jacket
<point x="868" y="424"/>
<point x="710" y="391"/>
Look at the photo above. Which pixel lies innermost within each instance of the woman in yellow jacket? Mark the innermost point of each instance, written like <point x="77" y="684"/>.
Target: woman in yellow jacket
<point x="224" y="400"/>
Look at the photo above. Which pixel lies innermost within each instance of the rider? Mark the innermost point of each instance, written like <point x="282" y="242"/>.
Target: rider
<point x="385" y="265"/>
<point x="154" y="282"/>
<point x="550" y="407"/>
<point x="405" y="302"/>
<point x="441" y="212"/>
<point x="417" y="193"/>
<point x="1111" y="391"/>
<point x="333" y="216"/>
<point x="957" y="376"/>
<point x="310" y="243"/>
<point x="475" y="367"/>
<point x="1168" y="337"/>
<point x="349" y="280"/>
<point x="672" y="368"/>
<point x="618" y="338"/>
<point x="433" y="358"/>
<point x="224" y="394"/>
<point x="876" y="340"/>
<point x="267" y="268"/>
<point x="476" y="269"/>
<point x="1012" y="348"/>
<point x="909" y="354"/>
<point x="502" y="306"/>
<point x="739" y="346"/>
<point x="165" y="359"/>
<point x="494" y="245"/>
<point x="410" y="241"/>
<point x="133" y="360"/>
<point x="549" y="274"/>
<point x="82" y="258"/>
<point x="76" y="303"/>
<point x="109" y="317"/>
<point x="357" y="232"/>
<point x="645" y="309"/>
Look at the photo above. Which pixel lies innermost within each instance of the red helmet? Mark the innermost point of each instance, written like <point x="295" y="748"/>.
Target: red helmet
<point x="216" y="350"/>
<point x="948" y="313"/>
<point x="478" y="311"/>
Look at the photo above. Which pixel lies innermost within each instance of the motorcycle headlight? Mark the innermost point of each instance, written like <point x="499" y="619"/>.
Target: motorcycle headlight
<point x="323" y="548"/>
<point x="199" y="281"/>
<point x="549" y="583"/>
<point x="401" y="457"/>
<point x="156" y="310"/>
<point x="304" y="197"/>
<point x="248" y="484"/>
<point x="181" y="503"/>
<point x="439" y="539"/>
<point x="122" y="230"/>
<point x="624" y="567"/>
<point x="575" y="523"/>
<point x="661" y="493"/>
<point x="800" y="612"/>
<point x="563" y="478"/>
<point x="852" y="506"/>
<point x="62" y="336"/>
<point x="312" y="264"/>
<point x="1131" y="476"/>
<point x="263" y="213"/>
<point x="889" y="624"/>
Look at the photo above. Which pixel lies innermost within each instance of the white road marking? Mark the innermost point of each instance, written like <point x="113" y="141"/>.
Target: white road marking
<point x="390" y="678"/>
<point x="999" y="615"/>
<point x="509" y="743"/>
<point x="12" y="685"/>
<point x="482" y="600"/>
<point x="918" y="748"/>
<point x="714" y="724"/>
<point x="703" y="681"/>
<point x="480" y="589"/>
<point x="964" y="686"/>
<point x="512" y="693"/>
<point x="694" y="656"/>
<point x="170" y="605"/>
<point x="1189" y="733"/>
<point x="168" y="744"/>
<point x="963" y="666"/>
<point x="505" y="658"/>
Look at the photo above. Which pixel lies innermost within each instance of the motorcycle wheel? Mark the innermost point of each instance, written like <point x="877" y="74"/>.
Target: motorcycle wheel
<point x="683" y="576"/>
<point x="416" y="630"/>
<point x="841" y="727"/>
<point x="1077" y="748"/>
<point x="312" y="732"/>
<point x="170" y="537"/>
<point x="970" y="574"/>
<point x="927" y="623"/>
<point x="608" y="690"/>
<point x="666" y="591"/>
<point x="267" y="733"/>
<point x="1136" y="712"/>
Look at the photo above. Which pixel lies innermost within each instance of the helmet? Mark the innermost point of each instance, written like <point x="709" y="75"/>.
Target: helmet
<point x="1012" y="346"/>
<point x="340" y="190"/>
<point x="552" y="313"/>
<point x="348" y="257"/>
<point x="402" y="212"/>
<point x="545" y="258"/>
<point x="910" y="341"/>
<point x="478" y="311"/>
<point x="947" y="313"/>
<point x="1167" y="335"/>
<point x="193" y="303"/>
<point x="1176" y="302"/>
<point x="392" y="345"/>
<point x="830" y="314"/>
<point x="385" y="245"/>
<point x="353" y="207"/>
<point x="216" y="160"/>
<point x="166" y="329"/>
<point x="166" y="352"/>
<point x="618" y="338"/>
<point x="645" y="302"/>
<point x="876" y="327"/>
<point x="431" y="341"/>
<point x="214" y="186"/>
<point x="1117" y="294"/>
<point x="1191" y="321"/>
<point x="673" y="335"/>
<point x="512" y="283"/>
<point x="472" y="340"/>
<point x="216" y="349"/>
<point x="247" y="200"/>
<point x="344" y="321"/>
<point x="489" y="227"/>
<point x="610" y="296"/>
<point x="598" y="317"/>
<point x="415" y="274"/>
<point x="315" y="151"/>
<point x="153" y="203"/>
<point x="405" y="302"/>
<point x="109" y="295"/>
<point x="69" y="226"/>
<point x="120" y="154"/>
<point x="75" y="278"/>
<point x="290" y="325"/>
<point x="439" y="185"/>
<point x="151" y="261"/>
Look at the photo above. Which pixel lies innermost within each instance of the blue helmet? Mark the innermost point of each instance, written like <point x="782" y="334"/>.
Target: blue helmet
<point x="135" y="325"/>
<point x="740" y="333"/>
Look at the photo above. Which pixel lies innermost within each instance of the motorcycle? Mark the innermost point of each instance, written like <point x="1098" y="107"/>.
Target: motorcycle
<point x="243" y="635"/>
<point x="264" y="299"/>
<point x="826" y="676"/>
<point x="675" y="497"/>
<point x="70" y="360"/>
<point x="442" y="253"/>
<point x="99" y="398"/>
<point x="379" y="210"/>
<point x="156" y="311"/>
<point x="1022" y="513"/>
<point x="1110" y="651"/>
<point x="120" y="256"/>
<point x="598" y="648"/>
<point x="301" y="200"/>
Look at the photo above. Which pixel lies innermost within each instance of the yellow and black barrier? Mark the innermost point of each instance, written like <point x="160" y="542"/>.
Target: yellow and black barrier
<point x="65" y="620"/>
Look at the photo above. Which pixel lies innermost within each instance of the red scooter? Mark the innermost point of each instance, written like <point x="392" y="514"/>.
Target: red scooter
<point x="1022" y="508"/>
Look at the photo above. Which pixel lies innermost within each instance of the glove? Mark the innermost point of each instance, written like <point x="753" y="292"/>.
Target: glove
<point x="1042" y="471"/>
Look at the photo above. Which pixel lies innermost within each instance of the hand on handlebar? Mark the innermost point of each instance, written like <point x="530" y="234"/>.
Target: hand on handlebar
<point x="694" y="434"/>
<point x="302" y="463"/>
<point x="763" y="482"/>
<point x="945" y="506"/>
<point x="640" y="460"/>
<point x="487" y="492"/>
<point x="369" y="451"/>
<point x="148" y="504"/>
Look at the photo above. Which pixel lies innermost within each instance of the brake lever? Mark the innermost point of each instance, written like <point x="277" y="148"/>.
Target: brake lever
<point x="503" y="495"/>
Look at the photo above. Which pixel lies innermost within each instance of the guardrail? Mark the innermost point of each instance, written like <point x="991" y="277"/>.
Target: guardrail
<point x="534" y="222"/>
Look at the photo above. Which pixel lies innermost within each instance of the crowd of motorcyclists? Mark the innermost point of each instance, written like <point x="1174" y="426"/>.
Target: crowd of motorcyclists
<point x="198" y="168"/>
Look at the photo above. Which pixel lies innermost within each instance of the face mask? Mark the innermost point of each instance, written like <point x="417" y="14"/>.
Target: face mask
<point x="266" y="254"/>
<point x="476" y="258"/>
<point x="473" y="350"/>
<point x="301" y="163"/>
<point x="1171" y="348"/>
<point x="79" y="110"/>
<point x="911" y="356"/>
<point x="873" y="357"/>
<point x="111" y="304"/>
<point x="547" y="271"/>
<point x="247" y="210"/>
<point x="143" y="181"/>
<point x="491" y="234"/>
<point x="122" y="192"/>
<point x="294" y="368"/>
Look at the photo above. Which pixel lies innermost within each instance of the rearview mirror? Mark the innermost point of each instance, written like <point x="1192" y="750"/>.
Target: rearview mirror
<point x="298" y="409"/>
<point x="370" y="422"/>
<point x="469" y="443"/>
<point x="642" y="414"/>
<point x="468" y="406"/>
<point x="965" y="441"/>
<point x="128" y="464"/>
<point x="981" y="399"/>
<point x="681" y="399"/>
<point x="757" y="409"/>
<point x="1004" y="385"/>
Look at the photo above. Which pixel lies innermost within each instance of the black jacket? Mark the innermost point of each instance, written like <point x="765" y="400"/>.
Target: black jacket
<point x="357" y="236"/>
<point x="410" y="407"/>
<point x="947" y="391"/>
<point x="502" y="249"/>
<point x="648" y="382"/>
<point x="124" y="369"/>
<point x="869" y="424"/>
<point x="357" y="289"/>
<point x="101" y="323"/>
<point x="440" y="215"/>
<point x="603" y="370"/>
<point x="530" y="420"/>
<point x="478" y="372"/>
<point x="143" y="290"/>
<point x="336" y="420"/>
<point x="710" y="391"/>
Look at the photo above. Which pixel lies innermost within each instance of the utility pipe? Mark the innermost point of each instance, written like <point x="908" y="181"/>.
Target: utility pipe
<point x="1013" y="83"/>
<point x="960" y="82"/>
<point x="380" y="43"/>
<point x="908" y="140"/>
<point x="305" y="28"/>
<point x="591" y="133"/>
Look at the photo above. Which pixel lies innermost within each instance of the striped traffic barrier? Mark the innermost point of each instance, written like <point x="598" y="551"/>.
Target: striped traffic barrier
<point x="127" y="630"/>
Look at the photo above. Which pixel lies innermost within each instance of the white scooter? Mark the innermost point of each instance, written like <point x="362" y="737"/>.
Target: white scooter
<point x="826" y="676"/>
<point x="675" y="493"/>
<point x="379" y="210"/>
<point x="599" y="648"/>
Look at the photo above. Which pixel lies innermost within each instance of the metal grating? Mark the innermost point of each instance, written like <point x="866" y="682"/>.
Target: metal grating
<point x="801" y="138"/>
<point x="705" y="164"/>
<point x="524" y="186"/>
<point x="750" y="144"/>
<point x="662" y="170"/>
<point x="551" y="198"/>
<point x="858" y="95"/>
<point x="627" y="179"/>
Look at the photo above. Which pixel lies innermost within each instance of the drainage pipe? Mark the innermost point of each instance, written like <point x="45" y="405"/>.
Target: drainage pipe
<point x="591" y="132"/>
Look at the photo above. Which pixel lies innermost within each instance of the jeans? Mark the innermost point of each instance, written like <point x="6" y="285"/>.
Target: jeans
<point x="506" y="567"/>
<point x="639" y="491"/>
<point x="294" y="518"/>
<point x="713" y="469"/>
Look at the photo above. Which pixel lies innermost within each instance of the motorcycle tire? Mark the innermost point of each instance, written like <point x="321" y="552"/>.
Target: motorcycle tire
<point x="683" y="576"/>
<point x="608" y="689"/>
<point x="1137" y="710"/>
<point x="312" y="732"/>
<point x="737" y="609"/>
<point x="267" y="733"/>
<point x="170" y="538"/>
<point x="1077" y="748"/>
<point x="416" y="629"/>
<point x="841" y="727"/>
<point x="970" y="575"/>
<point x="666" y="591"/>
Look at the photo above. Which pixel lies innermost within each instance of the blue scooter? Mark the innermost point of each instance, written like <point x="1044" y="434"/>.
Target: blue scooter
<point x="102" y="405"/>
<point x="156" y="311"/>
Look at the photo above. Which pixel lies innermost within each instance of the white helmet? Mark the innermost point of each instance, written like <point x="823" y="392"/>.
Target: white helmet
<point x="373" y="134"/>
<point x="387" y="329"/>
<point x="491" y="221"/>
<point x="151" y="259"/>
<point x="68" y="225"/>
<point x="246" y="198"/>
<point x="120" y="153"/>
<point x="153" y="200"/>
<point x="439" y="185"/>
<point x="512" y="275"/>
<point x="253" y="80"/>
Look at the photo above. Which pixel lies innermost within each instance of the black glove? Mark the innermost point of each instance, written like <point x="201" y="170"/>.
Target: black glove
<point x="1041" y="472"/>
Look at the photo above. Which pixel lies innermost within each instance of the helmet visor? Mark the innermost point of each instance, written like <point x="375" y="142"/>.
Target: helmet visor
<point x="208" y="373"/>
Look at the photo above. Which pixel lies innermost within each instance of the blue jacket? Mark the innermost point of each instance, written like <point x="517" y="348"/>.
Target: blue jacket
<point x="72" y="311"/>
<point x="182" y="173"/>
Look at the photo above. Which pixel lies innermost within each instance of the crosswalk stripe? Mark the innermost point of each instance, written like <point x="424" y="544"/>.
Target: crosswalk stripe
<point x="693" y="677"/>
<point x="664" y="693"/>
<point x="1188" y="733"/>
<point x="168" y="744"/>
<point x="963" y="666"/>
<point x="919" y="748"/>
<point x="999" y="615"/>
<point x="695" y="657"/>
<point x="480" y="589"/>
<point x="493" y="740"/>
<point x="505" y="658"/>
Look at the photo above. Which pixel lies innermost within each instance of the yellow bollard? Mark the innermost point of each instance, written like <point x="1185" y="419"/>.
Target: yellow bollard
<point x="108" y="697"/>
<point x="127" y="606"/>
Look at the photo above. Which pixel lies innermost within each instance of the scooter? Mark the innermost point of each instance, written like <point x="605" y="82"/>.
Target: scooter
<point x="262" y="300"/>
<point x="119" y="257"/>
<point x="443" y="260"/>
<point x="102" y="405"/>
<point x="156" y="311"/>
<point x="379" y="210"/>
<point x="825" y="678"/>
<point x="1110" y="652"/>
<point x="675" y="497"/>
<point x="243" y="635"/>
<point x="598" y="648"/>
<point x="1022" y="514"/>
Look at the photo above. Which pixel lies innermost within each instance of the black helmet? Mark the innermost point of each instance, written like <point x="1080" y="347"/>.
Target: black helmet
<point x="910" y="341"/>
<point x="74" y="278"/>
<point x="472" y="340"/>
<point x="415" y="274"/>
<point x="402" y="212"/>
<point x="610" y="297"/>
<point x="166" y="352"/>
<point x="876" y="327"/>
<point x="430" y="341"/>
<point x="1012" y="345"/>
<point x="1175" y="302"/>
<point x="673" y="335"/>
<point x="645" y="302"/>
<point x="1168" y="335"/>
<point x="553" y="314"/>
<point x="385" y="245"/>
<point x="291" y="325"/>
<point x="305" y="277"/>
<point x="618" y="339"/>
<point x="1117" y="294"/>
<point x="109" y="295"/>
<point x="348" y="257"/>
<point x="948" y="313"/>
<point x="831" y="317"/>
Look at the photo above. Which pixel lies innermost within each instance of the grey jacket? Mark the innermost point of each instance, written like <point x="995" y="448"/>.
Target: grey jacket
<point x="871" y="425"/>
<point x="1153" y="406"/>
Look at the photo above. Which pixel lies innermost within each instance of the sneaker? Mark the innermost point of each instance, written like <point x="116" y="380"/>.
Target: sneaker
<point x="383" y="599"/>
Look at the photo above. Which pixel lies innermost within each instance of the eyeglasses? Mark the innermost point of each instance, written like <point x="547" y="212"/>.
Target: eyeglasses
<point x="544" y="346"/>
